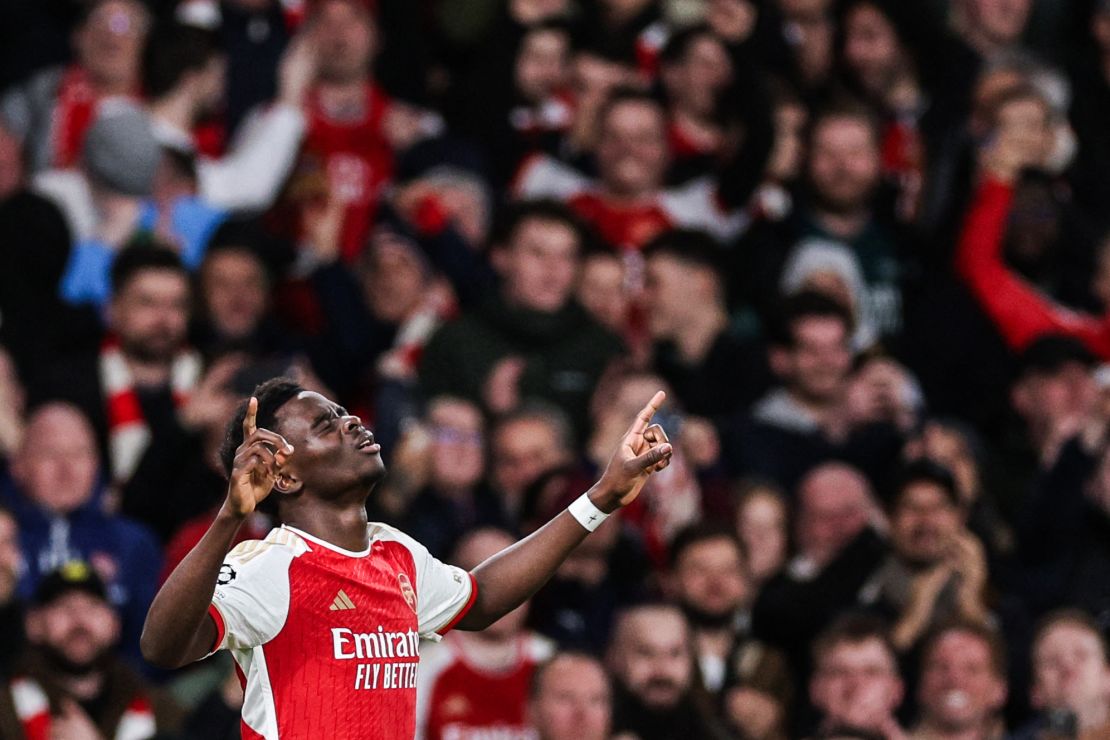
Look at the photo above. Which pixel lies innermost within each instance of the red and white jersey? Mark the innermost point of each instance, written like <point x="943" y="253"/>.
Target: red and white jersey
<point x="694" y="205"/>
<point x="459" y="700"/>
<point x="326" y="640"/>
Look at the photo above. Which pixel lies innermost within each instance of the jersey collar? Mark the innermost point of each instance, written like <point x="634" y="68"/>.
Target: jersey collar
<point x="328" y="545"/>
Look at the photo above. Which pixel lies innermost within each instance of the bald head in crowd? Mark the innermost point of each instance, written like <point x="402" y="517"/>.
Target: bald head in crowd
<point x="651" y="655"/>
<point x="571" y="699"/>
<point x="834" y="506"/>
<point x="57" y="463"/>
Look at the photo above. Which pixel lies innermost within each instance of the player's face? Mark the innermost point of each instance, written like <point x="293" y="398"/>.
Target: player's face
<point x="573" y="703"/>
<point x="959" y="688"/>
<point x="334" y="452"/>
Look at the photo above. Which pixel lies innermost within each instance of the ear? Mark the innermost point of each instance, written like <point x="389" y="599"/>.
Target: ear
<point x="288" y="484"/>
<point x="1020" y="396"/>
<point x="499" y="257"/>
<point x="780" y="361"/>
<point x="999" y="694"/>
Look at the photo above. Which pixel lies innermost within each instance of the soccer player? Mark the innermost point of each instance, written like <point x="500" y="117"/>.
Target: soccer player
<point x="324" y="616"/>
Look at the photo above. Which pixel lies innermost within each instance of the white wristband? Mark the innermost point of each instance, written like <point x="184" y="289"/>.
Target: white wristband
<point x="588" y="515"/>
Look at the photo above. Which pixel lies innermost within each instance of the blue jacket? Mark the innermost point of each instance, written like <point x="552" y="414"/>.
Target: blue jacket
<point x="124" y="553"/>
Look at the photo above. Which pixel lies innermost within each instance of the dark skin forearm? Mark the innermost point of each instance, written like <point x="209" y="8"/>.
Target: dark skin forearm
<point x="178" y="629"/>
<point x="513" y="575"/>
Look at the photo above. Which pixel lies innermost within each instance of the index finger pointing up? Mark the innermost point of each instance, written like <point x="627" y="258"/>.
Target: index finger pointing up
<point x="250" y="424"/>
<point x="643" y="419"/>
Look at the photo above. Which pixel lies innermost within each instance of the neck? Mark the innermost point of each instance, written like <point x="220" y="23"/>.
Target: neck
<point x="177" y="109"/>
<point x="843" y="225"/>
<point x="83" y="688"/>
<point x="489" y="652"/>
<point x="904" y="95"/>
<point x="716" y="642"/>
<point x="341" y="522"/>
<point x="627" y="197"/>
<point x="107" y="86"/>
<point x="697" y="335"/>
<point x="825" y="410"/>
<point x="149" y="374"/>
<point x="341" y="94"/>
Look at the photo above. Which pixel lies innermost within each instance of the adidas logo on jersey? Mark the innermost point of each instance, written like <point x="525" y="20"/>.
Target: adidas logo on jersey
<point x="342" y="602"/>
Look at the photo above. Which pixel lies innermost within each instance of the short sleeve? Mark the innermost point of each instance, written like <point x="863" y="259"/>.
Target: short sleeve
<point x="251" y="601"/>
<point x="444" y="593"/>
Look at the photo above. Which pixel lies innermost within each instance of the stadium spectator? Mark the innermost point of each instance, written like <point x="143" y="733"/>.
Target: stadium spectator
<point x="937" y="570"/>
<point x="71" y="684"/>
<point x="51" y="112"/>
<point x="530" y="339"/>
<point x="446" y="493"/>
<point x="836" y="548"/>
<point x="571" y="698"/>
<point x="882" y="391"/>
<point x="802" y="422"/>
<point x="473" y="683"/>
<point x="710" y="581"/>
<point x="1071" y="677"/>
<point x="184" y="78"/>
<point x="629" y="205"/>
<point x="56" y="495"/>
<point x="963" y="684"/>
<point x="655" y="695"/>
<point x="855" y="685"/>
<point x="355" y="128"/>
<point x="991" y="28"/>
<point x="712" y="371"/>
<point x="762" y="524"/>
<point x="603" y="291"/>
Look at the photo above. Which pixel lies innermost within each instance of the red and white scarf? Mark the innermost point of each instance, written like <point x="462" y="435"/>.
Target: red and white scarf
<point x="32" y="708"/>
<point x="128" y="433"/>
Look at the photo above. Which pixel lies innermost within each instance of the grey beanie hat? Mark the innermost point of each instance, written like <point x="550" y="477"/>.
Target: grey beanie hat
<point x="121" y="152"/>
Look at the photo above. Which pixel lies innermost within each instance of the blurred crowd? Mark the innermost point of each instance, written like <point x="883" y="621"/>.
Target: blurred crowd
<point x="862" y="244"/>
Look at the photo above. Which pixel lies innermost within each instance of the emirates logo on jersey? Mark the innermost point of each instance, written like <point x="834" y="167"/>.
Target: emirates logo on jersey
<point x="407" y="591"/>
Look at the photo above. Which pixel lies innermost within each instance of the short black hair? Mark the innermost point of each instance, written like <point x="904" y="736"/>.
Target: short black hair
<point x="690" y="246"/>
<point x="803" y="305"/>
<point x="679" y="43"/>
<point x="852" y="628"/>
<point x="699" y="532"/>
<point x="173" y="50"/>
<point x="924" y="470"/>
<point x="271" y="395"/>
<point x="139" y="257"/>
<point x="543" y="209"/>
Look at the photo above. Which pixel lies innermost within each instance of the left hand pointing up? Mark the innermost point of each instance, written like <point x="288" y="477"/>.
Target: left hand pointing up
<point x="643" y="450"/>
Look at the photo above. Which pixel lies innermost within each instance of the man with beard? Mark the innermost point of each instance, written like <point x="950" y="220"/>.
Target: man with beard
<point x="143" y="388"/>
<point x="656" y="696"/>
<point x="710" y="580"/>
<point x="937" y="569"/>
<point x="839" y="203"/>
<point x="71" y="684"/>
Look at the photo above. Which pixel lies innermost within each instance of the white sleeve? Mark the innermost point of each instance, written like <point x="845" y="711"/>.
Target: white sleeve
<point x="542" y="176"/>
<point x="251" y="601"/>
<point x="444" y="593"/>
<point x="695" y="205"/>
<point x="250" y="175"/>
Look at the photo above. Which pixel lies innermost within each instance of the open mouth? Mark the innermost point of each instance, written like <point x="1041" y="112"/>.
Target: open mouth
<point x="368" y="445"/>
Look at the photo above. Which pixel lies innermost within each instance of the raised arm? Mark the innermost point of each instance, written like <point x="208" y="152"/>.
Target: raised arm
<point x="178" y="629"/>
<point x="510" y="577"/>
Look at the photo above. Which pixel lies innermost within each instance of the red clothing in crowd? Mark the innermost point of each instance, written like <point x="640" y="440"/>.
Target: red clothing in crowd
<point x="356" y="160"/>
<point x="1020" y="311"/>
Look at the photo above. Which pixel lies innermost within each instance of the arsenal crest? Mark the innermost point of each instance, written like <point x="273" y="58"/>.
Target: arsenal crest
<point x="407" y="591"/>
